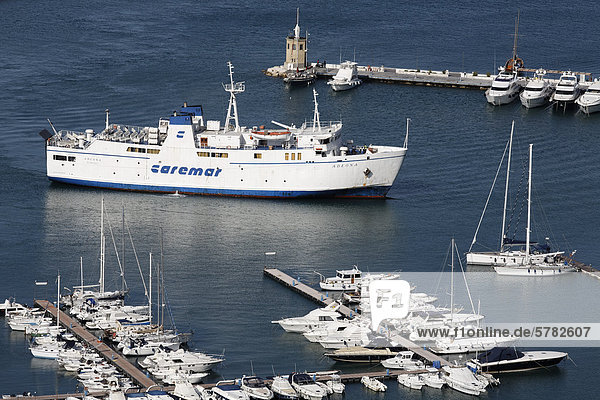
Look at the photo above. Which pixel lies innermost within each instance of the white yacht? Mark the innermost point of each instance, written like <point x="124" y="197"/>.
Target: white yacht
<point x="550" y="266"/>
<point x="505" y="88"/>
<point x="433" y="378"/>
<point x="344" y="279"/>
<point x="353" y="335"/>
<point x="306" y="387"/>
<point x="589" y="102"/>
<point x="282" y="388"/>
<point x="411" y="381"/>
<point x="537" y="92"/>
<point x="256" y="388"/>
<point x="335" y="384"/>
<point x="463" y="380"/>
<point x="188" y="154"/>
<point x="346" y="77"/>
<point x="229" y="391"/>
<point x="403" y="360"/>
<point x="373" y="384"/>
<point x="314" y="319"/>
<point x="511" y="252"/>
<point x="567" y="90"/>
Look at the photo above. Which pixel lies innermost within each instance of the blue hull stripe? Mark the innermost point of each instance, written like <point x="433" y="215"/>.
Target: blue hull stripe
<point x="366" y="192"/>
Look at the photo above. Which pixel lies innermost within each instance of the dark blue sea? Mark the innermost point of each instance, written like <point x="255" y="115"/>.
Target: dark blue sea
<point x="70" y="60"/>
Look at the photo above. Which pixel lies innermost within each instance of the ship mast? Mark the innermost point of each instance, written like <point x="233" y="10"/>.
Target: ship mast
<point x="316" y="116"/>
<point x="503" y="234"/>
<point x="233" y="88"/>
<point x="528" y="207"/>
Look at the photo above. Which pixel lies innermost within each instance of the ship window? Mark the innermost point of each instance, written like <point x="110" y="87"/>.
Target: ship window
<point x="224" y="155"/>
<point x="71" y="158"/>
<point x="300" y="46"/>
<point x="219" y="155"/>
<point x="153" y="151"/>
<point x="203" y="154"/>
<point x="213" y="154"/>
<point x="59" y="157"/>
<point x="293" y="47"/>
<point x="293" y="156"/>
<point x="257" y="155"/>
<point x="299" y="156"/>
<point x="203" y="142"/>
<point x="287" y="156"/>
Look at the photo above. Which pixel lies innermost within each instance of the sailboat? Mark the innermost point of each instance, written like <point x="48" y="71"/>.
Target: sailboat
<point x="512" y="258"/>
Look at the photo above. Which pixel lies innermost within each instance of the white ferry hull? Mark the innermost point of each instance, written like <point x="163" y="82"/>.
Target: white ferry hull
<point x="501" y="99"/>
<point x="110" y="166"/>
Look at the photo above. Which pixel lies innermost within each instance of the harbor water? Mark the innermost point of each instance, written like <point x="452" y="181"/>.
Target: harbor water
<point x="69" y="61"/>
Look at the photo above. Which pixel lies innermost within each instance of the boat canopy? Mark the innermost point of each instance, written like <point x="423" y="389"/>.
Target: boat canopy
<point x="499" y="354"/>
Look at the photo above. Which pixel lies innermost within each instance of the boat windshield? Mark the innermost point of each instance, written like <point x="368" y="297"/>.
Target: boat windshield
<point x="535" y="89"/>
<point x="254" y="382"/>
<point x="499" y="89"/>
<point x="565" y="91"/>
<point x="595" y="91"/>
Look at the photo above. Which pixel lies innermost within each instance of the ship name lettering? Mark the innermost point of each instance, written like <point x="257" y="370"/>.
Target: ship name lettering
<point x="168" y="169"/>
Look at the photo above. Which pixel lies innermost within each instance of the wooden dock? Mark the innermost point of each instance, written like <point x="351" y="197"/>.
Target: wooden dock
<point x="320" y="298"/>
<point x="93" y="342"/>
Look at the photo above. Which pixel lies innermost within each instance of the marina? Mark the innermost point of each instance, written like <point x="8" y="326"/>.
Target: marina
<point x="84" y="60"/>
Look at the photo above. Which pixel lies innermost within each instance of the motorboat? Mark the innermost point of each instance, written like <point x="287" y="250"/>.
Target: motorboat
<point x="589" y="102"/>
<point x="353" y="335"/>
<point x="463" y="380"/>
<point x="537" y="92"/>
<point x="509" y="359"/>
<point x="300" y="77"/>
<point x="306" y="387"/>
<point x="346" y="78"/>
<point x="155" y="394"/>
<point x="282" y="388"/>
<point x="567" y="90"/>
<point x="411" y="381"/>
<point x="460" y="345"/>
<point x="403" y="360"/>
<point x="192" y="377"/>
<point x="359" y="354"/>
<point x="335" y="384"/>
<point x="225" y="390"/>
<point x="184" y="390"/>
<point x="512" y="253"/>
<point x="344" y="280"/>
<point x="505" y="88"/>
<point x="373" y="384"/>
<point x="143" y="347"/>
<point x="321" y="333"/>
<point x="256" y="388"/>
<point x="433" y="378"/>
<point x="314" y="319"/>
<point x="10" y="305"/>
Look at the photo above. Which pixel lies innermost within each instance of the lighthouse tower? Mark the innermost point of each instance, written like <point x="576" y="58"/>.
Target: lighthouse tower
<point x="295" y="48"/>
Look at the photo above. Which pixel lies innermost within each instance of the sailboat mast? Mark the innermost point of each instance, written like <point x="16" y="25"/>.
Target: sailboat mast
<point x="58" y="301"/>
<point x="514" y="56"/>
<point x="81" y="272"/>
<point x="123" y="248"/>
<point x="528" y="206"/>
<point x="452" y="284"/>
<point x="102" y="247"/>
<point x="150" y="292"/>
<point x="503" y="234"/>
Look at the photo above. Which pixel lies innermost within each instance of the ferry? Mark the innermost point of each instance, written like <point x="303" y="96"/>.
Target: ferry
<point x="187" y="154"/>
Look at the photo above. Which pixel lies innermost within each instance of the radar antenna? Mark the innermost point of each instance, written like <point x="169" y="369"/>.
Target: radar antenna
<point x="233" y="88"/>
